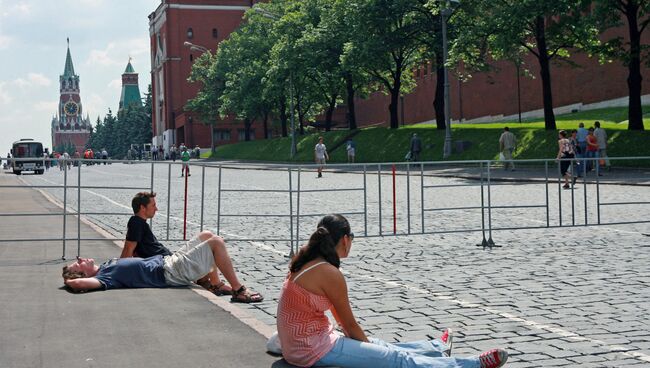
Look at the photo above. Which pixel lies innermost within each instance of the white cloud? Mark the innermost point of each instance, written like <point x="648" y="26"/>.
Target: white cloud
<point x="94" y="104"/>
<point x="5" y="98"/>
<point x="32" y="80"/>
<point x="115" y="84"/>
<point x="17" y="9"/>
<point x="5" y="41"/>
<point x="47" y="106"/>
<point x="118" y="53"/>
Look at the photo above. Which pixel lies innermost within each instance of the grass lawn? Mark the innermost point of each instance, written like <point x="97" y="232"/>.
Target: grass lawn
<point x="387" y="145"/>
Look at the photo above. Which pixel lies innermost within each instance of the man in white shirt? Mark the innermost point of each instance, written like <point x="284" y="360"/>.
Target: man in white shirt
<point x="507" y="144"/>
<point x="320" y="156"/>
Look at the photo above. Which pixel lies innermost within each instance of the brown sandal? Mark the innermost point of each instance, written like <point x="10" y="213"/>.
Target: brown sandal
<point x="244" y="296"/>
<point x="217" y="289"/>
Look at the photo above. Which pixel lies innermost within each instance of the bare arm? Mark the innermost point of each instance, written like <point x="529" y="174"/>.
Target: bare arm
<point x="84" y="284"/>
<point x="336" y="291"/>
<point x="129" y="249"/>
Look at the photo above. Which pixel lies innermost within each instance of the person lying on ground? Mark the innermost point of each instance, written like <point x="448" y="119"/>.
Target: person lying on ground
<point x="141" y="242"/>
<point x="180" y="268"/>
<point x="315" y="284"/>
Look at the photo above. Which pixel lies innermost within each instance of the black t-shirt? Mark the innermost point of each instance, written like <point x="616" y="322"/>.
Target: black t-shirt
<point x="147" y="245"/>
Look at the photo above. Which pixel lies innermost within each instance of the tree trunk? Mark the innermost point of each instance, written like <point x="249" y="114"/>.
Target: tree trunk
<point x="330" y="110"/>
<point x="266" y="125"/>
<point x="634" y="78"/>
<point x="247" y="129"/>
<point x="545" y="74"/>
<point x="283" y="116"/>
<point x="439" y="100"/>
<point x="301" y="118"/>
<point x="349" y="85"/>
<point x="394" y="97"/>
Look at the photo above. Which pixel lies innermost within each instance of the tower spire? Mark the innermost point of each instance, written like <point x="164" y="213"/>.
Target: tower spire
<point x="69" y="68"/>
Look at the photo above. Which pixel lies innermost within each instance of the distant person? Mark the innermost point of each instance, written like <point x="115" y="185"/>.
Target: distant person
<point x="104" y="155"/>
<point x="601" y="138"/>
<point x="197" y="151"/>
<point x="320" y="156"/>
<point x="507" y="146"/>
<point x="141" y="242"/>
<point x="592" y="149"/>
<point x="46" y="159"/>
<point x="351" y="150"/>
<point x="582" y="140"/>
<point x="416" y="147"/>
<point x="564" y="153"/>
<point x="173" y="152"/>
<point x="154" y="153"/>
<point x="579" y="165"/>
<point x="8" y="163"/>
<point x="185" y="157"/>
<point x="315" y="284"/>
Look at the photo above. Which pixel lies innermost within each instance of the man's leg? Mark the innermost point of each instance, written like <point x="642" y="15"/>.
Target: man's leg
<point x="221" y="258"/>
<point x="213" y="277"/>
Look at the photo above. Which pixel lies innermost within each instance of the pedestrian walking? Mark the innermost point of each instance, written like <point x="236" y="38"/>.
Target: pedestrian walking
<point x="185" y="157"/>
<point x="320" y="156"/>
<point x="507" y="146"/>
<point x="415" y="148"/>
<point x="582" y="140"/>
<point x="564" y="153"/>
<point x="351" y="150"/>
<point x="592" y="149"/>
<point x="601" y="139"/>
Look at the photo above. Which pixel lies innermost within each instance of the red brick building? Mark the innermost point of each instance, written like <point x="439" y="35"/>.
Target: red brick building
<point x="68" y="126"/>
<point x="484" y="97"/>
<point x="204" y="23"/>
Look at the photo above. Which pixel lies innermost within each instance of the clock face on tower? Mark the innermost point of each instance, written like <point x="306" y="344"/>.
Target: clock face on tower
<point x="70" y="108"/>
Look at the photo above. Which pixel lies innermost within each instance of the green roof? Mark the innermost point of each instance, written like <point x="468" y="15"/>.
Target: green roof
<point x="129" y="68"/>
<point x="69" y="68"/>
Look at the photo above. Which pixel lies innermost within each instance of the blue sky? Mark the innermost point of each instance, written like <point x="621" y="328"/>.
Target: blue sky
<point x="103" y="34"/>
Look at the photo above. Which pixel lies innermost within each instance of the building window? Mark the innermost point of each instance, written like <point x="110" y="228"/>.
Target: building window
<point x="191" y="58"/>
<point x="215" y="33"/>
<point x="242" y="134"/>
<point x="190" y="33"/>
<point x="221" y="135"/>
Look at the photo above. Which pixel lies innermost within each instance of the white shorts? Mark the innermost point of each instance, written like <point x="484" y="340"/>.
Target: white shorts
<point x="320" y="161"/>
<point x="188" y="264"/>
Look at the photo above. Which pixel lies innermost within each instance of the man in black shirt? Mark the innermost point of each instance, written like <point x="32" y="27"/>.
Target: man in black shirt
<point x="141" y="242"/>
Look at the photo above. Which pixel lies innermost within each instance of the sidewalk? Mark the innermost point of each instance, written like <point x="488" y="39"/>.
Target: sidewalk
<point x="43" y="325"/>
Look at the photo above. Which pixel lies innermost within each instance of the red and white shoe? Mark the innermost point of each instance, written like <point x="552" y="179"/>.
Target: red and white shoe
<point x="494" y="358"/>
<point x="447" y="338"/>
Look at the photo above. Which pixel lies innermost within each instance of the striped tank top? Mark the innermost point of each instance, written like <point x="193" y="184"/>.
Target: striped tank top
<point x="305" y="332"/>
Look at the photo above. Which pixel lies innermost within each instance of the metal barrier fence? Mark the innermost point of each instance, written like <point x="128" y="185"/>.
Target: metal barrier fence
<point x="357" y="191"/>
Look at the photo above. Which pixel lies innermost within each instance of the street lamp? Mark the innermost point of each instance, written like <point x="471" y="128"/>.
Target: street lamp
<point x="446" y="12"/>
<point x="200" y="48"/>
<point x="275" y="17"/>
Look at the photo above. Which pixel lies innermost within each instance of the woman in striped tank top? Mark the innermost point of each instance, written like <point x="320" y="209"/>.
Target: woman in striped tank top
<point x="315" y="284"/>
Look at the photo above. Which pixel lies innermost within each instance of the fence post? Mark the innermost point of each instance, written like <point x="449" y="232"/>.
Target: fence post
<point x="219" y="203"/>
<point x="169" y="191"/>
<point x="484" y="242"/>
<point x="408" y="198"/>
<point x="185" y="205"/>
<point x="394" y="204"/>
<point x="379" y="194"/>
<point x="422" y="195"/>
<point x="573" y="200"/>
<point x="489" y="191"/>
<point x="597" y="192"/>
<point x="151" y="190"/>
<point x="548" y="209"/>
<point x="365" y="202"/>
<point x="298" y="210"/>
<point x="559" y="189"/>
<point x="65" y="201"/>
<point x="290" y="213"/>
<point x="202" y="193"/>
<point x="78" y="208"/>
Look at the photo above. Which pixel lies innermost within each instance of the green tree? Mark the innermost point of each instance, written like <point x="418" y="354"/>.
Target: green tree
<point x="636" y="13"/>
<point x="548" y="30"/>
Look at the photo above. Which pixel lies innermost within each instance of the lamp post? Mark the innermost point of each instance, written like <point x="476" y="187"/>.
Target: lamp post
<point x="446" y="12"/>
<point x="202" y="49"/>
<point x="275" y="17"/>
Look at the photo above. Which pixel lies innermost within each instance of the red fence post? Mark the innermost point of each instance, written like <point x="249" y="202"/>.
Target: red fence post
<point x="185" y="205"/>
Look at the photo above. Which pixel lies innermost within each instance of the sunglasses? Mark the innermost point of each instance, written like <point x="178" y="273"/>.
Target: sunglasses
<point x="351" y="236"/>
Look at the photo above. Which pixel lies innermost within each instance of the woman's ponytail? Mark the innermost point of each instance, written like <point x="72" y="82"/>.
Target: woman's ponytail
<point x="322" y="243"/>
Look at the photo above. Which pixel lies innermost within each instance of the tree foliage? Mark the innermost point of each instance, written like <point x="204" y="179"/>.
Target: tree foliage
<point x="132" y="125"/>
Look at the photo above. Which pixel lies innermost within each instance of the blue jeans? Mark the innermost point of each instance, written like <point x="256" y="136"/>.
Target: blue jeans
<point x="591" y="164"/>
<point x="350" y="353"/>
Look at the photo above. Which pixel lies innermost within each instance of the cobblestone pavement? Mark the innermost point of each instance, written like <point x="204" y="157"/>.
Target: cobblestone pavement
<point x="552" y="296"/>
